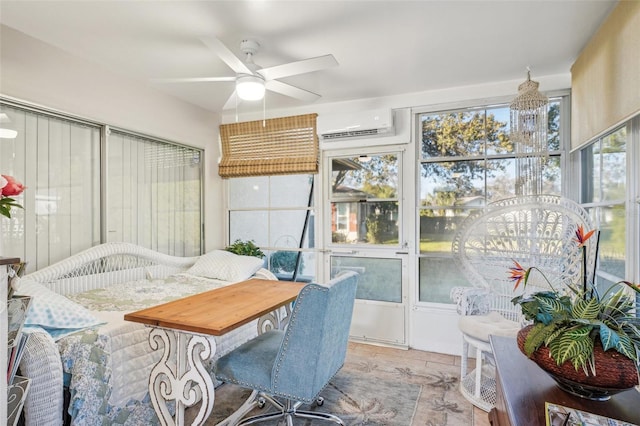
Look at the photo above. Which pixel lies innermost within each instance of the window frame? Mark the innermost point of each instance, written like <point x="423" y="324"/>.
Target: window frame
<point x="337" y="199"/>
<point x="630" y="200"/>
<point x="168" y="247"/>
<point x="269" y="249"/>
<point x="561" y="96"/>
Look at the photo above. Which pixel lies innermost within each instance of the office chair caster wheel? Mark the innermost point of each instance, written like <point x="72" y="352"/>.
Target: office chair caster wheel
<point x="320" y="401"/>
<point x="261" y="402"/>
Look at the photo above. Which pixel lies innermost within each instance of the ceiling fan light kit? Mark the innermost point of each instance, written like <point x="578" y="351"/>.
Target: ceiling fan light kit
<point x="250" y="87"/>
<point x="251" y="80"/>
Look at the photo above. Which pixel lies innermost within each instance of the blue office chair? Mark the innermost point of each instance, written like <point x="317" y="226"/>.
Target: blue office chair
<point x="296" y="364"/>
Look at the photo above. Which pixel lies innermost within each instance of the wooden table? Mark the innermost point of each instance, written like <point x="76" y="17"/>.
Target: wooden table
<point x="523" y="388"/>
<point x="180" y="330"/>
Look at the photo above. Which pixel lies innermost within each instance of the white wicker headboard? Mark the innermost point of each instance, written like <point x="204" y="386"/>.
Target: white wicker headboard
<point x="108" y="264"/>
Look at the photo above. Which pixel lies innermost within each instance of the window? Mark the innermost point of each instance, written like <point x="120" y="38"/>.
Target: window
<point x="467" y="160"/>
<point x="276" y="213"/>
<point x="603" y="194"/>
<point x="58" y="160"/>
<point x="154" y="194"/>
<point x="152" y="189"/>
<point x="364" y="200"/>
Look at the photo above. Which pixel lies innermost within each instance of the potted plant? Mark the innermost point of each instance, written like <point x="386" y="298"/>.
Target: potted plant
<point x="245" y="248"/>
<point x="587" y="341"/>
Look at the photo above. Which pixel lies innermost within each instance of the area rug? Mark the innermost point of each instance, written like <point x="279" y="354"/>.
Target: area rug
<point x="376" y="392"/>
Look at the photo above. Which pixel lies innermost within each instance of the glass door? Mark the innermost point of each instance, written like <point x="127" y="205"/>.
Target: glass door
<point x="364" y="234"/>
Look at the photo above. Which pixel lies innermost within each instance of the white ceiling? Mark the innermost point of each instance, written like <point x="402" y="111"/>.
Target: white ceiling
<point x="383" y="47"/>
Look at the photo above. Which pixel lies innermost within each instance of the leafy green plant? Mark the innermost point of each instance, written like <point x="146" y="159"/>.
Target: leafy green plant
<point x="245" y="248"/>
<point x="571" y="323"/>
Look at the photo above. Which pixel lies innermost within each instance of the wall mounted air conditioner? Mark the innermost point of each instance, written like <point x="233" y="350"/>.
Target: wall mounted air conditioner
<point x="364" y="128"/>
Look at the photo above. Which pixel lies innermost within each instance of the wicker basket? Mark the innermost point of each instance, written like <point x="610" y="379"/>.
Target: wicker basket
<point x="614" y="371"/>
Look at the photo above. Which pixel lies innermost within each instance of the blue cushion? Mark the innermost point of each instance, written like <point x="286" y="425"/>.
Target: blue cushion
<point x="250" y="364"/>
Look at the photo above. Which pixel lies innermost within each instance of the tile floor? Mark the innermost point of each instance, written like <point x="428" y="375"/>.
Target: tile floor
<point x="480" y="417"/>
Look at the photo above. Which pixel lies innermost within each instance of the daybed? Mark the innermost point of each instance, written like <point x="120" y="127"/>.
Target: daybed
<point x="80" y="342"/>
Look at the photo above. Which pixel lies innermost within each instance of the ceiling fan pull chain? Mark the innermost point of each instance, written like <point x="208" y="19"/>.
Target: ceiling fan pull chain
<point x="264" y="110"/>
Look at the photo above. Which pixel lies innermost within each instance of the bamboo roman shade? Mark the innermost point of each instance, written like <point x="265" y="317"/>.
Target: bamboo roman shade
<point x="277" y="146"/>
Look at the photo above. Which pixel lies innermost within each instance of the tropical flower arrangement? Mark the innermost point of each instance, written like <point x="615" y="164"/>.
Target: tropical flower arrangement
<point x="9" y="188"/>
<point x="570" y="323"/>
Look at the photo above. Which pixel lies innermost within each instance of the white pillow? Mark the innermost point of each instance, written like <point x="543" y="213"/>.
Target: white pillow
<point x="53" y="312"/>
<point x="226" y="266"/>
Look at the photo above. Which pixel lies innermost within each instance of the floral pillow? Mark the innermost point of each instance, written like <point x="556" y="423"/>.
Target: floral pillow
<point x="53" y="312"/>
<point x="225" y="266"/>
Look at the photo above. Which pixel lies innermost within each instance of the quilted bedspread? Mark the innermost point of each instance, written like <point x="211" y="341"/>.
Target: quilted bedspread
<point x="107" y="368"/>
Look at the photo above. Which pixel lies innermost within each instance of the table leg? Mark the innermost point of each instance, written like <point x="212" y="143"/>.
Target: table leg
<point x="276" y="320"/>
<point x="180" y="375"/>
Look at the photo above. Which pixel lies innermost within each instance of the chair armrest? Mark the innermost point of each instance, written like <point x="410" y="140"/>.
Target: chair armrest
<point x="471" y="300"/>
<point x="41" y="364"/>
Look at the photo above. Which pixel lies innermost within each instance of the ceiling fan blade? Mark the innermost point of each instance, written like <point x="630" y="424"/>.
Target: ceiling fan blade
<point x="299" y="67"/>
<point x="232" y="101"/>
<point x="192" y="79"/>
<point x="226" y="55"/>
<point x="291" y="91"/>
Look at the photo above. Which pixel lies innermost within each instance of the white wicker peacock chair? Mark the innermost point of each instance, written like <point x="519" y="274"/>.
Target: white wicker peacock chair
<point x="534" y="231"/>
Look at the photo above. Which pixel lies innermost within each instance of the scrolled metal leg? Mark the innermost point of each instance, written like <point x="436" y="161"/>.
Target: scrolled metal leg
<point x="276" y="320"/>
<point x="180" y="375"/>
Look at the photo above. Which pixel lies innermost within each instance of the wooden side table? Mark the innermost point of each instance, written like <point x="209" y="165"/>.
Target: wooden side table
<point x="523" y="388"/>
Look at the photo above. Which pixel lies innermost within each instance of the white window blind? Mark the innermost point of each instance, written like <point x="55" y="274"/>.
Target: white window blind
<point x="154" y="194"/>
<point x="58" y="160"/>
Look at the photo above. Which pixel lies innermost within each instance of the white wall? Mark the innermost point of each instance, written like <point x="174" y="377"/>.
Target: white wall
<point x="35" y="72"/>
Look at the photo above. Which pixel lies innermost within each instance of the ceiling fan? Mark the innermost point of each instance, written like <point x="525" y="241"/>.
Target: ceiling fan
<point x="251" y="80"/>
